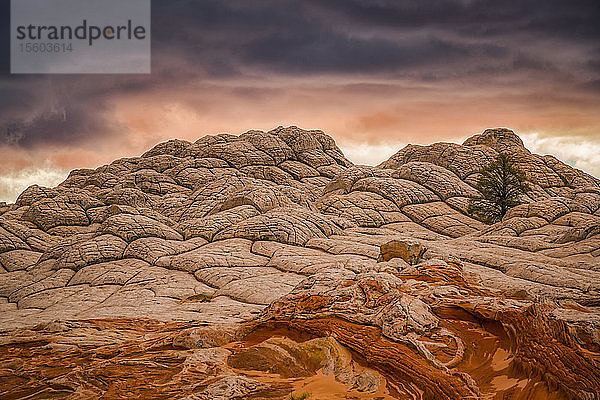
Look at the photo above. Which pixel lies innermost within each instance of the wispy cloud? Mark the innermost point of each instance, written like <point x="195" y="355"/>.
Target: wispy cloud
<point x="366" y="154"/>
<point x="12" y="183"/>
<point x="579" y="152"/>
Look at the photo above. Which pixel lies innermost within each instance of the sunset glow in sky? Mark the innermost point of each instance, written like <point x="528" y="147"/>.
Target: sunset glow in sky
<point x="374" y="74"/>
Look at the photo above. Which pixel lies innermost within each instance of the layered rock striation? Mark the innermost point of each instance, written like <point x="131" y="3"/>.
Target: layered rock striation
<point x="264" y="264"/>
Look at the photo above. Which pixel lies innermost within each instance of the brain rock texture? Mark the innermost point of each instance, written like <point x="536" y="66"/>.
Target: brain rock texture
<point x="267" y="264"/>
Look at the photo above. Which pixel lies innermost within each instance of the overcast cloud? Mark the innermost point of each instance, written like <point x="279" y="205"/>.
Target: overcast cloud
<point x="373" y="74"/>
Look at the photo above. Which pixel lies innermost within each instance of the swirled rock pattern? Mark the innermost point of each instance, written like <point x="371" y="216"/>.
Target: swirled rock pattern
<point x="264" y="264"/>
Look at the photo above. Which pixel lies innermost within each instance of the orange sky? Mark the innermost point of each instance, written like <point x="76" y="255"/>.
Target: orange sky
<point x="369" y="120"/>
<point x="374" y="75"/>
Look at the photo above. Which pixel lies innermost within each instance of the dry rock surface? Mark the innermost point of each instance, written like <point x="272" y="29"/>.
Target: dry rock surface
<point x="266" y="265"/>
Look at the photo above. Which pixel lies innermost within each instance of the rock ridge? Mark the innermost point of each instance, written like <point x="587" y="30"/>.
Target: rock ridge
<point x="189" y="255"/>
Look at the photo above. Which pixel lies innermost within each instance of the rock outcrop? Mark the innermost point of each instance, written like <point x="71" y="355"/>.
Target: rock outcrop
<point x="265" y="264"/>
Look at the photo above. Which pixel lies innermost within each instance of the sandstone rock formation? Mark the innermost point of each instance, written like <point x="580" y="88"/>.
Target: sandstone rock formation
<point x="265" y="264"/>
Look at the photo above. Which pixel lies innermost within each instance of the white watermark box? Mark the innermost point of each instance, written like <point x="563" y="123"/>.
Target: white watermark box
<point x="80" y="36"/>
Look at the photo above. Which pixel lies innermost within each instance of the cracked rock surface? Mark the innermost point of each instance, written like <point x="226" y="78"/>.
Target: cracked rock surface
<point x="264" y="264"/>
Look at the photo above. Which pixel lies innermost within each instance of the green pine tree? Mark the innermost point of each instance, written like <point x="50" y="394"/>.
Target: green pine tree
<point x="502" y="185"/>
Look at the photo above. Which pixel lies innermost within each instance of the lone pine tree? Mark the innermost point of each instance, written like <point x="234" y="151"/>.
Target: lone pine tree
<point x="501" y="185"/>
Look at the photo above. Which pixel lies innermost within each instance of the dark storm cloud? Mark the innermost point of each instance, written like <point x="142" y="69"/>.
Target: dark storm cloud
<point x="218" y="40"/>
<point x="36" y="110"/>
<point x="222" y="39"/>
<point x="323" y="51"/>
<point x="65" y="124"/>
<point x="556" y="18"/>
<point x="4" y="37"/>
<point x="14" y="99"/>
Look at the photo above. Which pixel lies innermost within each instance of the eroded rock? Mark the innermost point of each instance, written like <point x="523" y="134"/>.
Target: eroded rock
<point x="278" y="232"/>
<point x="409" y="251"/>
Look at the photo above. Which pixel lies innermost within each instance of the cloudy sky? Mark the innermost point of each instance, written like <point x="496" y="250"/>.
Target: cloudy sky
<point x="375" y="74"/>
